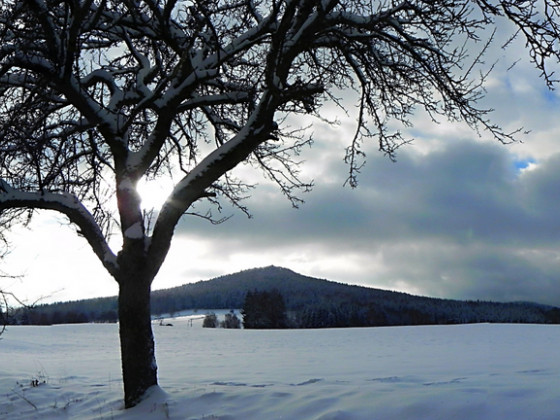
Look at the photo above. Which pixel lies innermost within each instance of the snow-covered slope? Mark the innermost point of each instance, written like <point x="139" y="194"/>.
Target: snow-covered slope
<point x="439" y="372"/>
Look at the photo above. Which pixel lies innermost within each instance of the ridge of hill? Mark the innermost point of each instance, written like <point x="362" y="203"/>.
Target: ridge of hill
<point x="310" y="302"/>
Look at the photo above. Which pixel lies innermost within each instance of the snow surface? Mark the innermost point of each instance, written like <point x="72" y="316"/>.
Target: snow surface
<point x="484" y="371"/>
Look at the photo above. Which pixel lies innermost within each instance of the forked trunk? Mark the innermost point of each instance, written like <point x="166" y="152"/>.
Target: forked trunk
<point x="137" y="341"/>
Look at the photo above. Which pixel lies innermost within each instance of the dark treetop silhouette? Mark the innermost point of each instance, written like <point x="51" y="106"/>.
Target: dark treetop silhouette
<point x="96" y="95"/>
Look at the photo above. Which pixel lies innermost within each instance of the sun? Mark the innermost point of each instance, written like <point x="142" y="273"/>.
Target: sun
<point x="154" y="193"/>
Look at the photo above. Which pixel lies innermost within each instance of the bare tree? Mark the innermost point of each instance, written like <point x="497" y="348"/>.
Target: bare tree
<point x="97" y="95"/>
<point x="7" y="298"/>
<point x="6" y="306"/>
<point x="4" y="311"/>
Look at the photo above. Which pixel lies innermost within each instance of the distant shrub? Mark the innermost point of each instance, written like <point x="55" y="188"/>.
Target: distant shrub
<point x="231" y="321"/>
<point x="210" y="321"/>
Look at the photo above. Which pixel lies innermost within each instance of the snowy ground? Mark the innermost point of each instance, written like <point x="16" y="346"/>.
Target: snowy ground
<point x="441" y="372"/>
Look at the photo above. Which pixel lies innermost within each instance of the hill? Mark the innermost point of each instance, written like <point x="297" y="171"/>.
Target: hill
<point x="311" y="303"/>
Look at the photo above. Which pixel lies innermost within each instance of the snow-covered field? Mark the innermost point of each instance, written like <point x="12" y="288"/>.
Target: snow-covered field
<point x="441" y="372"/>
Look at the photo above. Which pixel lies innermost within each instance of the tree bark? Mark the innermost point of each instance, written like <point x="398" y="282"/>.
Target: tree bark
<point x="139" y="367"/>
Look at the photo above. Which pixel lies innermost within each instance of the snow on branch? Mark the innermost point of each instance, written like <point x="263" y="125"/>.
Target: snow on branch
<point x="64" y="203"/>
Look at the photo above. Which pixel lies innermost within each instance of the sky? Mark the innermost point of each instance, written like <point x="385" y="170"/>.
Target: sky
<point x="458" y="215"/>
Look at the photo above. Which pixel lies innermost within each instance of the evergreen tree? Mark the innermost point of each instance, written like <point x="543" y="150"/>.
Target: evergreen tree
<point x="264" y="310"/>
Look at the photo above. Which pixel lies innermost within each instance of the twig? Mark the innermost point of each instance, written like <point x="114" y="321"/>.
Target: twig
<point x="23" y="397"/>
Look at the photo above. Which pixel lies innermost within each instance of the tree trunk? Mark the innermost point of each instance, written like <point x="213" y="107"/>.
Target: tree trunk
<point x="137" y="341"/>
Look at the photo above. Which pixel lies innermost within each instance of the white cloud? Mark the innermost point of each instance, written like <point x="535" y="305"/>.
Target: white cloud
<point x="54" y="264"/>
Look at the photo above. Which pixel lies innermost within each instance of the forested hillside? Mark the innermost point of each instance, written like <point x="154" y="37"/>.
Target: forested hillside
<point x="310" y="303"/>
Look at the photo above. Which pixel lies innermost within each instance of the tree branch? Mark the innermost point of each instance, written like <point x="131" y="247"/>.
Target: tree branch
<point x="68" y="205"/>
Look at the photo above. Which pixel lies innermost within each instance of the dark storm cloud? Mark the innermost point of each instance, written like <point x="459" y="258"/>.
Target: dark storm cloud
<point x="462" y="221"/>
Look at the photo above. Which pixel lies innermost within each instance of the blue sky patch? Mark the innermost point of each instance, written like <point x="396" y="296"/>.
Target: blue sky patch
<point x="523" y="164"/>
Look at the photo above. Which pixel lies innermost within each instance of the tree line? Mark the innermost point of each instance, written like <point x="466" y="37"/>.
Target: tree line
<point x="307" y="302"/>
<point x="267" y="309"/>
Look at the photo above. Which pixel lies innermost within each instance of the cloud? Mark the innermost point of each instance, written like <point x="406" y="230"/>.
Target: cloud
<point x="461" y="221"/>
